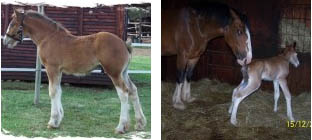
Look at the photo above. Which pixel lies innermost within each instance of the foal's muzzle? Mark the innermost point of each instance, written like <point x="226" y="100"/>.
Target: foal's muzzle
<point x="12" y="40"/>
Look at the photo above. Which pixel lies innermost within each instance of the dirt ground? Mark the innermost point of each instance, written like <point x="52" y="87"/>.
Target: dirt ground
<point x="207" y="117"/>
<point x="141" y="52"/>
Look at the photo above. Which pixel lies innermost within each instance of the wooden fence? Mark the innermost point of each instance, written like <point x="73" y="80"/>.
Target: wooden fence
<point x="79" y="21"/>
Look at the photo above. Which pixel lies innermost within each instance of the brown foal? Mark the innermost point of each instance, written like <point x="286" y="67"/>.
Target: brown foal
<point x="60" y="51"/>
<point x="186" y="32"/>
<point x="274" y="69"/>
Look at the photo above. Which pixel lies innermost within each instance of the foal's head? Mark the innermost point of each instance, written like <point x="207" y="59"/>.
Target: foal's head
<point x="291" y="55"/>
<point x="14" y="33"/>
<point x="237" y="35"/>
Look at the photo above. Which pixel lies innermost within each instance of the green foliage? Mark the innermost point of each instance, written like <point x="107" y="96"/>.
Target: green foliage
<point x="136" y="13"/>
<point x="140" y="63"/>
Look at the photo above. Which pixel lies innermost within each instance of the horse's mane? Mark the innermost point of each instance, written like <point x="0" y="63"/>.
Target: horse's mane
<point x="219" y="11"/>
<point x="55" y="24"/>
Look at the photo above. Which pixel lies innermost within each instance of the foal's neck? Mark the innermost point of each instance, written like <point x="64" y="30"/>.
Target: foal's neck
<point x="38" y="30"/>
<point x="284" y="57"/>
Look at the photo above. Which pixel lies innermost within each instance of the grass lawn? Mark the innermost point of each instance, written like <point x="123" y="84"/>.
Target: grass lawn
<point x="140" y="63"/>
<point x="88" y="111"/>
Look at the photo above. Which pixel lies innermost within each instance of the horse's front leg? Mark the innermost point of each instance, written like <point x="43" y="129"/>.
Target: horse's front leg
<point x="55" y="93"/>
<point x="176" y="98"/>
<point x="186" y="89"/>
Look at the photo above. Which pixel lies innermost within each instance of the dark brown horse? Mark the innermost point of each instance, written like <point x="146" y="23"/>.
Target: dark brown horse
<point x="60" y="51"/>
<point x="186" y="31"/>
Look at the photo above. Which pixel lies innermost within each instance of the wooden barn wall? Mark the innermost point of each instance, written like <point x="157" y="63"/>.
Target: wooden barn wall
<point x="79" y="21"/>
<point x="218" y="62"/>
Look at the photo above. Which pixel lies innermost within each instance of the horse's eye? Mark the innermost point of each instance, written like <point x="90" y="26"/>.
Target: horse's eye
<point x="239" y="32"/>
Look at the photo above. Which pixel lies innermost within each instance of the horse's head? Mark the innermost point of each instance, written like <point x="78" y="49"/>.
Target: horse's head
<point x="291" y="54"/>
<point x="14" y="33"/>
<point x="237" y="35"/>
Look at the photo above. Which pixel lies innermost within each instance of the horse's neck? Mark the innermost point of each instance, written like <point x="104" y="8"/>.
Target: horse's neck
<point x="207" y="28"/>
<point x="40" y="31"/>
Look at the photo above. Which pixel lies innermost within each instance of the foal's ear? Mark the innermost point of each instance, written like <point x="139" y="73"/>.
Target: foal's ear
<point x="19" y="13"/>
<point x="294" y="46"/>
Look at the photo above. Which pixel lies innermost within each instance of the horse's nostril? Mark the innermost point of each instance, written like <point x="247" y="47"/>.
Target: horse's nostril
<point x="240" y="56"/>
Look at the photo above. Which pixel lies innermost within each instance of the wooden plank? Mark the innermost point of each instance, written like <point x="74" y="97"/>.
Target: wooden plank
<point x="80" y="21"/>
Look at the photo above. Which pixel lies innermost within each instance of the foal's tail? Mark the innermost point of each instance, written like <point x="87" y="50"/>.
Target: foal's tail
<point x="129" y="48"/>
<point x="128" y="44"/>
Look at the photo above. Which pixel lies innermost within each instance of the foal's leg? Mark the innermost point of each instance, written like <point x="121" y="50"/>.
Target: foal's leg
<point x="276" y="94"/>
<point x="55" y="93"/>
<point x="283" y="84"/>
<point x="139" y="116"/>
<point x="176" y="98"/>
<point x="253" y="84"/>
<point x="234" y="93"/>
<point x="123" y="93"/>
<point x="186" y="89"/>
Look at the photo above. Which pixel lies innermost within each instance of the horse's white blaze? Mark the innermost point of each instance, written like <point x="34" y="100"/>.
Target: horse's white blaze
<point x="249" y="50"/>
<point x="124" y="111"/>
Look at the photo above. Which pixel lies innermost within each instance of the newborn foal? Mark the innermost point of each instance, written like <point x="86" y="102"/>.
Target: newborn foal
<point x="274" y="69"/>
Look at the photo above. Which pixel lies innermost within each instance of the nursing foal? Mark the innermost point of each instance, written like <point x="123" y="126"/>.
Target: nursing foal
<point x="274" y="69"/>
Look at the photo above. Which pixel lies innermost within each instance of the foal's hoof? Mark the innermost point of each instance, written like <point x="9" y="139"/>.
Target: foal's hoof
<point x="234" y="122"/>
<point x="122" y="129"/>
<point x="52" y="124"/>
<point x="179" y="106"/>
<point x="51" y="127"/>
<point x="140" y="124"/>
<point x="191" y="99"/>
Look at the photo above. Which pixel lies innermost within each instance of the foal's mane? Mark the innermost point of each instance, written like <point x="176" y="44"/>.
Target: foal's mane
<point x="56" y="25"/>
<point x="219" y="11"/>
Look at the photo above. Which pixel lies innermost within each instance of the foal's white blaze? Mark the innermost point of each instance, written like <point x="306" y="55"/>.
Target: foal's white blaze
<point x="294" y="60"/>
<point x="7" y="39"/>
<point x="249" y="50"/>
